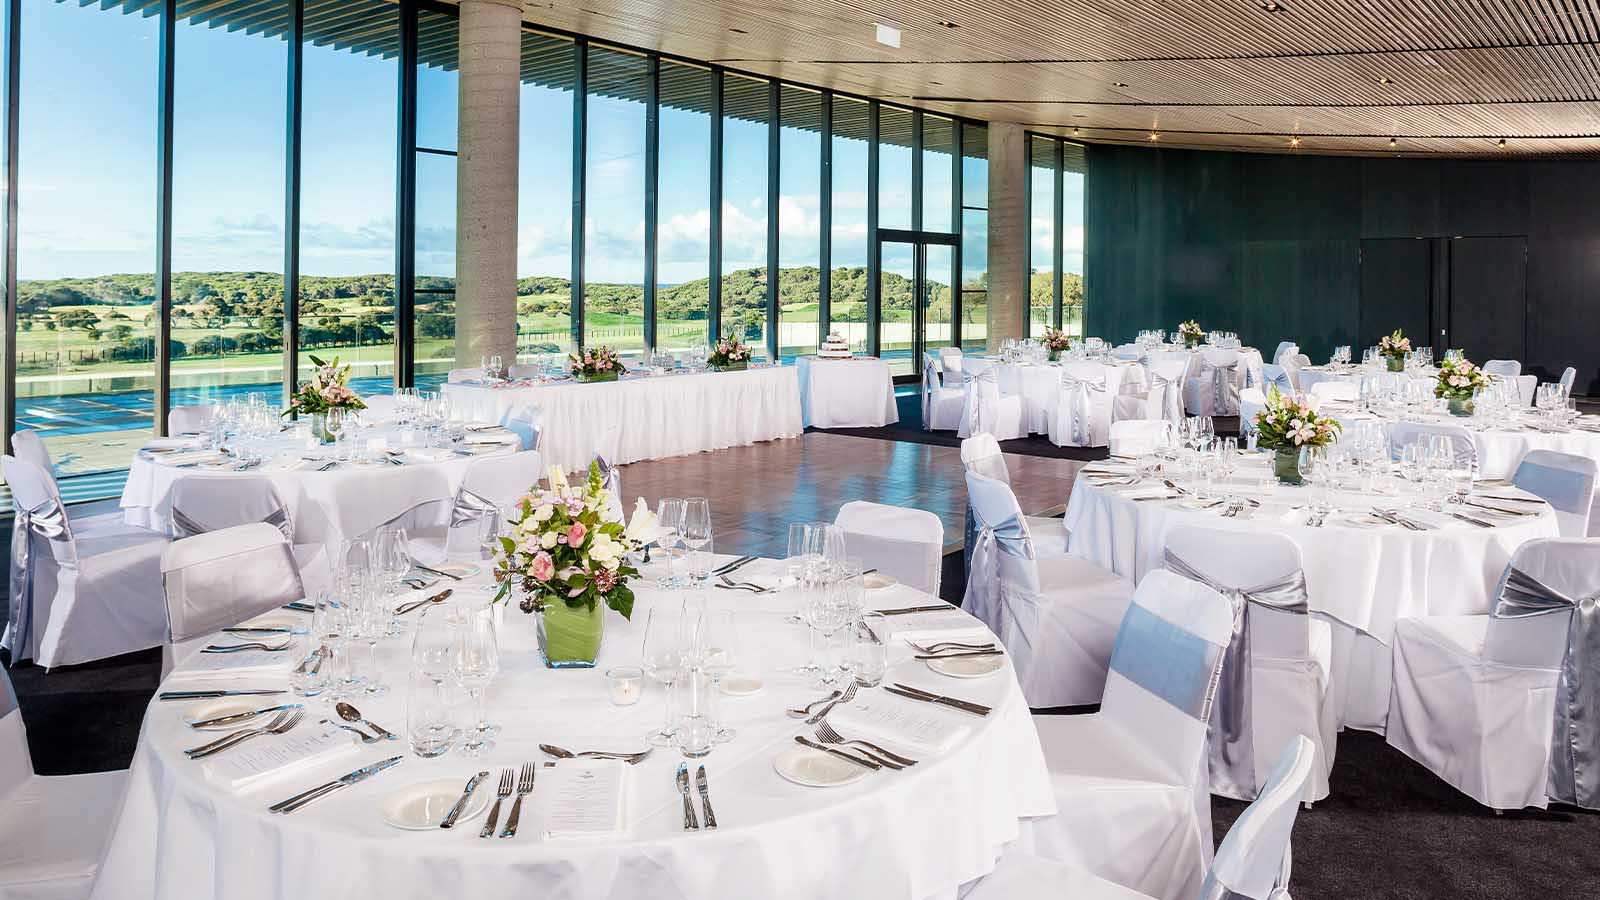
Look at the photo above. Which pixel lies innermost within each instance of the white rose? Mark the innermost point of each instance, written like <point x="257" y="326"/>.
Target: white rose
<point x="548" y="540"/>
<point x="543" y="513"/>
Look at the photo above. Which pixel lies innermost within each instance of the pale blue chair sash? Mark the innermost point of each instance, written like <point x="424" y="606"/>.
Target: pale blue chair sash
<point x="1574" y="767"/>
<point x="1224" y="395"/>
<point x="1082" y="404"/>
<point x="1569" y="490"/>
<point x="1175" y="665"/>
<point x="1228" y="742"/>
<point x="989" y="467"/>
<point x="46" y="522"/>
<point x="1277" y="376"/>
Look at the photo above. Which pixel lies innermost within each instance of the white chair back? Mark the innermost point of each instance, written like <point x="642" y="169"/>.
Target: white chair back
<point x="27" y="445"/>
<point x="982" y="387"/>
<point x="1138" y="437"/>
<point x="192" y="419"/>
<point x="981" y="453"/>
<point x="948" y="353"/>
<point x="1292" y="363"/>
<point x="16" y="766"/>
<point x="1540" y="641"/>
<point x="1326" y="391"/>
<point x="905" y="544"/>
<point x="491" y="484"/>
<point x="1164" y="667"/>
<point x="1253" y="859"/>
<point x="523" y="420"/>
<point x="1508" y="367"/>
<point x="1219" y="377"/>
<point x="1128" y="352"/>
<point x="1252" y="402"/>
<point x="1569" y="378"/>
<point x="932" y="381"/>
<point x="1527" y="386"/>
<point x="1002" y="574"/>
<point x="211" y="503"/>
<point x="380" y="408"/>
<point x="1083" y="405"/>
<point x="1284" y="347"/>
<point x="1222" y="558"/>
<point x="458" y="376"/>
<point x="222" y="578"/>
<point x="1564" y="480"/>
<point x="1403" y="433"/>
<point x="1276" y="376"/>
<point x="1166" y="386"/>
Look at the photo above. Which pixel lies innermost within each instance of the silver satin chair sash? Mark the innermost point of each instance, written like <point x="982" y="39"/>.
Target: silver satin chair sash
<point x="989" y="467"/>
<point x="984" y="589"/>
<point x="610" y="478"/>
<point x="1222" y="388"/>
<point x="930" y="383"/>
<point x="1166" y="396"/>
<point x="975" y="383"/>
<point x="469" y="507"/>
<point x="46" y="522"/>
<point x="185" y="525"/>
<point x="1082" y="404"/>
<point x="1228" y="742"/>
<point x="1574" y="767"/>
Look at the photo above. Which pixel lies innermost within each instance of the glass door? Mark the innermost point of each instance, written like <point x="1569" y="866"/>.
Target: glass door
<point x="916" y="302"/>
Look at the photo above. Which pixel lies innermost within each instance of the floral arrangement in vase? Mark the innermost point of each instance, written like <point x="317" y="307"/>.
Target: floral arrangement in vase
<point x="327" y="389"/>
<point x="1289" y="424"/>
<point x="596" y="364"/>
<point x="1192" y="333"/>
<point x="566" y="556"/>
<point x="729" y="354"/>
<point x="1458" y="381"/>
<point x="1056" y="341"/>
<point x="1393" y="348"/>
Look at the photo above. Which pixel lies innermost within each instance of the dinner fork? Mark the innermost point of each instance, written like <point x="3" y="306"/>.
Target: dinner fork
<point x="848" y="695"/>
<point x="949" y="645"/>
<point x="501" y="793"/>
<point x="827" y="735"/>
<point x="251" y="645"/>
<point x="524" y="788"/>
<point x="280" y="723"/>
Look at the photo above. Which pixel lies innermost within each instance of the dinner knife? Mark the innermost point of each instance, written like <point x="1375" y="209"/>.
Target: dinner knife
<point x="976" y="709"/>
<point x="850" y="757"/>
<point x="321" y="790"/>
<point x="690" y="822"/>
<point x="907" y="610"/>
<point x="433" y="571"/>
<point x="705" y="796"/>
<point x="211" y="695"/>
<point x="729" y="567"/>
<point x="461" y="804"/>
<point x="240" y="717"/>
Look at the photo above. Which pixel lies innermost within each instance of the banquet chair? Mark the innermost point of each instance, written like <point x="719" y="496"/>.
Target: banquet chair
<point x="951" y="361"/>
<point x="491" y="484"/>
<point x="981" y="453"/>
<point x="1130" y="780"/>
<point x="1251" y="864"/>
<point x="1057" y="616"/>
<point x="1403" y="433"/>
<point x="1165" y="397"/>
<point x="1569" y="379"/>
<point x="1292" y="363"/>
<point x="523" y="421"/>
<point x="1138" y="437"/>
<point x="1129" y="352"/>
<point x="1566" y="481"/>
<point x="985" y="409"/>
<point x="192" y="419"/>
<point x="82" y="588"/>
<point x="1276" y="683"/>
<point x="905" y="544"/>
<point x="1273" y="376"/>
<point x="1284" y="347"/>
<point x="27" y="445"/>
<point x="1510" y="368"/>
<point x="1251" y="403"/>
<point x="1488" y="703"/>
<point x="941" y="405"/>
<point x="53" y="829"/>
<point x="1214" y="388"/>
<point x="1081" y="415"/>
<point x="202" y="504"/>
<point x="1330" y="391"/>
<point x="459" y="376"/>
<point x="221" y="578"/>
<point x="380" y="408"/>
<point x="1527" y="386"/>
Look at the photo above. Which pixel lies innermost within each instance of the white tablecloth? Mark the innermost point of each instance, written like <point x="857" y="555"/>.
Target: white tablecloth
<point x="647" y="417"/>
<point x="906" y="835"/>
<point x="846" y="393"/>
<point x="1502" y="448"/>
<point x="1040" y="387"/>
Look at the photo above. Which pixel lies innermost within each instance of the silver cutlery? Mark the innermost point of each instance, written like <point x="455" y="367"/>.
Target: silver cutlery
<point x="312" y="664"/>
<point x="501" y="793"/>
<point x="848" y="695"/>
<point x="351" y="714"/>
<point x="1156" y="497"/>
<point x="949" y="645"/>
<point x="250" y="645"/>
<point x="827" y="735"/>
<point x="213" y="694"/>
<point x="1173" y="487"/>
<point x="850" y="757"/>
<point x="440" y="597"/>
<point x="631" y="758"/>
<point x="300" y="606"/>
<point x="432" y="571"/>
<point x="224" y="721"/>
<point x="263" y="629"/>
<point x="960" y="654"/>
<point x="280" y="723"/>
<point x="365" y="738"/>
<point x="908" y="610"/>
<point x="704" y="788"/>
<point x="1498" y="509"/>
<point x="915" y="693"/>
<point x="1466" y="518"/>
<point x="1510" y="499"/>
<point x="736" y="564"/>
<point x="323" y="790"/>
<point x="524" y="788"/>
<point x="806" y="710"/>
<point x="450" y="817"/>
<point x="725" y="584"/>
<point x="690" y="823"/>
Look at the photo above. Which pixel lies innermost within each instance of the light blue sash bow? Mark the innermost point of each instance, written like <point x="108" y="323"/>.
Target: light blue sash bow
<point x="44" y="522"/>
<point x="1178" y="666"/>
<point x="1574" y="767"/>
<point x="1228" y="742"/>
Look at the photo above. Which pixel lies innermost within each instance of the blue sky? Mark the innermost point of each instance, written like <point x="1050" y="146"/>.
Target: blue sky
<point x="88" y="166"/>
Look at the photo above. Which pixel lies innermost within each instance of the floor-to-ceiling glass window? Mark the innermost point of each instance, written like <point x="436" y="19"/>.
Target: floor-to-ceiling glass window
<point x="434" y="241"/>
<point x="544" y="196"/>
<point x="896" y="277"/>
<point x="1073" y="169"/>
<point x="1042" y="232"/>
<point x="683" y="242"/>
<point x="848" y="279"/>
<point x="86" y="246"/>
<point x="613" y="263"/>
<point x="938" y="183"/>
<point x="745" y="114"/>
<point x="974" y="237"/>
<point x="799" y="221"/>
<point x="895" y="127"/>
<point x="347" y="191"/>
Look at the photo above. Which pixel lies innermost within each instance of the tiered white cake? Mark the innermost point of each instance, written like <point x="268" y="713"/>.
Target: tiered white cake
<point x="834" y="347"/>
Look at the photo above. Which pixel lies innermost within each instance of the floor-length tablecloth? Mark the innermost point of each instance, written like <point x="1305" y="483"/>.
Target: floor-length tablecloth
<point x="644" y="417"/>
<point x="907" y="835"/>
<point x="846" y="393"/>
<point x="1039" y="384"/>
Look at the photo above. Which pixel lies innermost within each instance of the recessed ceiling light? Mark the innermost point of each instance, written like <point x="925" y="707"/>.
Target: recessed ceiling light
<point x="1294" y="142"/>
<point x="948" y="24"/>
<point x="1154" y="136"/>
<point x="1075" y="132"/>
<point x="1393" y="143"/>
<point x="887" y="35"/>
<point x="1272" y="7"/>
<point x="1501" y="143"/>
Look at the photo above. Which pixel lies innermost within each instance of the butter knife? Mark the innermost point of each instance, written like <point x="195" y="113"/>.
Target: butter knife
<point x="690" y="822"/>
<point x="908" y="610"/>
<point x="212" y="695"/>
<point x="741" y="561"/>
<point x="461" y="804"/>
<point x="322" y="790"/>
<point x="705" y="796"/>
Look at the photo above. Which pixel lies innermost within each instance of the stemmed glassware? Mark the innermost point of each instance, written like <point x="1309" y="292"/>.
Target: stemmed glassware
<point x="432" y="647"/>
<point x="669" y="518"/>
<point x="664" y="661"/>
<point x="474" y="661"/>
<point x="716" y="649"/>
<point x="392" y="558"/>
<point x="328" y="629"/>
<point x="826" y="610"/>
<point x="696" y="531"/>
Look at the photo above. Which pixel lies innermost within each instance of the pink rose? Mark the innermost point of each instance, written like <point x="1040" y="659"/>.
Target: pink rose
<point x="543" y="566"/>
<point x="575" y="534"/>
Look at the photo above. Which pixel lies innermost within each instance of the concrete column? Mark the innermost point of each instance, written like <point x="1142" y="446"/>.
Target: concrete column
<point x="1008" y="232"/>
<point x="490" y="51"/>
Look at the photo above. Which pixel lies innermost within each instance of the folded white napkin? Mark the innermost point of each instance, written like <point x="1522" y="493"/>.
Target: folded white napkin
<point x="270" y="757"/>
<point x="429" y="454"/>
<point x="173" y="443"/>
<point x="939" y="625"/>
<point x="887" y="719"/>
<point x="187" y="457"/>
<point x="242" y="662"/>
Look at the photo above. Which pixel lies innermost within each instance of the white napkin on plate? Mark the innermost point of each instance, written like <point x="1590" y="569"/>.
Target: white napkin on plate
<point x="937" y="625"/>
<point x="186" y="457"/>
<point x="173" y="443"/>
<point x="884" y="718"/>
<point x="269" y="757"/>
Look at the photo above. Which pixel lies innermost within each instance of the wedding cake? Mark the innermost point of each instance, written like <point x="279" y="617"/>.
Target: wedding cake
<point x="834" y="347"/>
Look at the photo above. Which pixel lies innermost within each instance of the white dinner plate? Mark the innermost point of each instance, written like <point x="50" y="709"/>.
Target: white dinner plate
<point x="229" y="707"/>
<point x="967" y="666"/>
<point x="742" y="685"/>
<point x="422" y="806"/>
<point x="878" y="581"/>
<point x="1362" y="520"/>
<point x="813" y="768"/>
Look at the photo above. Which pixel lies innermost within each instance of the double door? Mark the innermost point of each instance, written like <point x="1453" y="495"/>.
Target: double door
<point x="916" y="272"/>
<point x="1468" y="293"/>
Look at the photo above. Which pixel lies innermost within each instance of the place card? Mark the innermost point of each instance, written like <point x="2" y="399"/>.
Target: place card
<point x="912" y="724"/>
<point x="583" y="799"/>
<point x="263" y="759"/>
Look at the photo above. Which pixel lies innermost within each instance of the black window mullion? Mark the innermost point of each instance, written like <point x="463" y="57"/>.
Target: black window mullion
<point x="13" y="65"/>
<point x="956" y="225"/>
<point x="825" y="222"/>
<point x="580" y="124"/>
<point x="874" y="253"/>
<point x="164" y="112"/>
<point x="774" y="144"/>
<point x="405" y="232"/>
<point x="652" y="204"/>
<point x="291" y="199"/>
<point x="916" y="170"/>
<point x="1057" y="257"/>
<point x="714" y="285"/>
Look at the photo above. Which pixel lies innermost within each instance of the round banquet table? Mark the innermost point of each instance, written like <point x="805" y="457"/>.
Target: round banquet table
<point x="1249" y="371"/>
<point x="349" y="499"/>
<point x="1500" y="448"/>
<point x="912" y="834"/>
<point x="853" y="392"/>
<point x="645" y="416"/>
<point x="1040" y="386"/>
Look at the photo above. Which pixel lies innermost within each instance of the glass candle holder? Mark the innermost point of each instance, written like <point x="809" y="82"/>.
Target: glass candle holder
<point x="624" y="684"/>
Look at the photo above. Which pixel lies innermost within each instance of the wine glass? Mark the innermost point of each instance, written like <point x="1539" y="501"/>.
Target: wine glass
<point x="827" y="612"/>
<point x="716" y="649"/>
<point x="697" y="535"/>
<point x="663" y="660"/>
<point x="328" y="629"/>
<point x="669" y="517"/>
<point x="474" y="661"/>
<point x="433" y="645"/>
<point x="392" y="559"/>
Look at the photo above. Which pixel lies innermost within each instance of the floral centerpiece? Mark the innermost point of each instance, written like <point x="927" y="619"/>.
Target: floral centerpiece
<point x="1288" y="425"/>
<point x="1192" y="334"/>
<point x="729" y="355"/>
<point x="566" y="555"/>
<point x="1393" y="348"/>
<point x="1056" y="341"/>
<point x="328" y="389"/>
<point x="596" y="364"/>
<point x="1458" y="381"/>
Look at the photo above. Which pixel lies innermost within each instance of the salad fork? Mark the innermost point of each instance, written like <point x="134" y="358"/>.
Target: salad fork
<point x="252" y="645"/>
<point x="827" y="735"/>
<point x="280" y="723"/>
<point x="501" y="793"/>
<point x="524" y="788"/>
<point x="848" y="695"/>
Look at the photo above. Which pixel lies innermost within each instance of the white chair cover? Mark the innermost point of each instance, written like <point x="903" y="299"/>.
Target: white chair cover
<point x="1214" y="389"/>
<point x="1508" y="367"/>
<point x="1252" y="402"/>
<point x="981" y="453"/>
<point x="1284" y="347"/>
<point x="905" y="544"/>
<point x="1081" y="416"/>
<point x="1276" y="682"/>
<point x="1505" y="707"/>
<point x="1137" y="437"/>
<point x="985" y="410"/>
<point x="1130" y="780"/>
<point x="1292" y="363"/>
<point x="523" y="421"/>
<point x="81" y="589"/>
<point x="380" y="408"/>
<point x="27" y="445"/>
<point x="193" y="419"/>
<point x="941" y="406"/>
<point x="210" y="503"/>
<point x="1276" y="376"/>
<point x="491" y="484"/>
<point x="1566" y="481"/>
<point x="1347" y="391"/>
<point x="946" y="354"/>
<point x="1569" y="378"/>
<point x="222" y="578"/>
<point x="458" y="376"/>
<point x="1402" y="434"/>
<point x="1166" y="387"/>
<point x="1128" y="352"/>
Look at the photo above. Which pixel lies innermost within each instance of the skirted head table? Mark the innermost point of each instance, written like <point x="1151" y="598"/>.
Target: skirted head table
<point x="190" y="828"/>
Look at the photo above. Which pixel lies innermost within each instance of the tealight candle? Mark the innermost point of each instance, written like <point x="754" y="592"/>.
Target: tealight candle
<point x="625" y="683"/>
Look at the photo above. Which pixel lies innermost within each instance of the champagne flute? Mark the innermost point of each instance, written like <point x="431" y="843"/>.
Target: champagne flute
<point x="474" y="661"/>
<point x="663" y="660"/>
<point x="716" y="648"/>
<point x="697" y="536"/>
